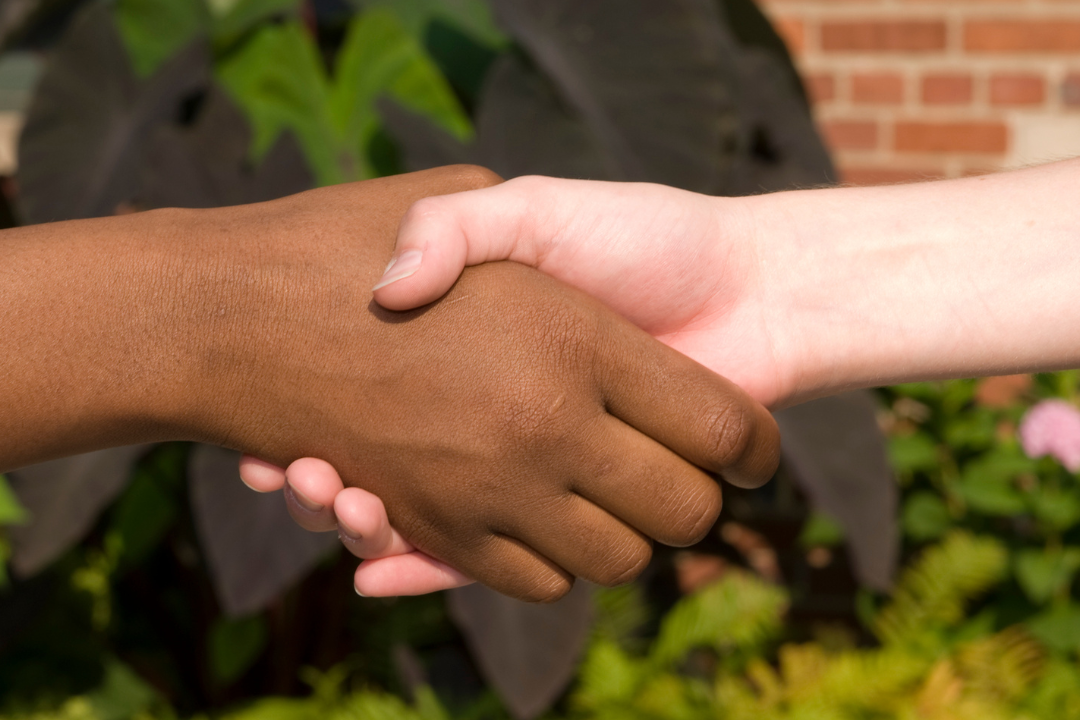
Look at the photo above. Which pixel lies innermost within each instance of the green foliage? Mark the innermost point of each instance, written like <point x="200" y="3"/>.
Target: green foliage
<point x="153" y="30"/>
<point x="234" y="645"/>
<point x="820" y="530"/>
<point x="932" y="592"/>
<point x="11" y="513"/>
<point x="279" y="80"/>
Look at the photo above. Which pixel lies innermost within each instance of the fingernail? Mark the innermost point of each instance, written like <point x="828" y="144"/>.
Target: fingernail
<point x="305" y="502"/>
<point x="358" y="591"/>
<point x="349" y="532"/>
<point x="250" y="486"/>
<point x="400" y="268"/>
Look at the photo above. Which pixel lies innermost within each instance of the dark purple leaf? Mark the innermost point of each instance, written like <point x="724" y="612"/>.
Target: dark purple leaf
<point x="527" y="652"/>
<point x="64" y="498"/>
<point x="782" y="149"/>
<point x="652" y="80"/>
<point x="519" y="103"/>
<point x="87" y="129"/>
<point x="423" y="144"/>
<point x="253" y="548"/>
<point x="207" y="165"/>
<point x="837" y="454"/>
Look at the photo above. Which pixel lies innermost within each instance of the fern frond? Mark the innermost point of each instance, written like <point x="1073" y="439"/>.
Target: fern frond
<point x="934" y="590"/>
<point x="608" y="677"/>
<point x="739" y="612"/>
<point x="621" y="613"/>
<point x="1004" y="666"/>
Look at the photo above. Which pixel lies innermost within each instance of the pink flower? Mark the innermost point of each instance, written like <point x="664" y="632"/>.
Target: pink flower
<point x="1052" y="428"/>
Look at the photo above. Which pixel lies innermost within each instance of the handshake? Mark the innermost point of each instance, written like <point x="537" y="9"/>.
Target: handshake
<point x="520" y="423"/>
<point x="515" y="429"/>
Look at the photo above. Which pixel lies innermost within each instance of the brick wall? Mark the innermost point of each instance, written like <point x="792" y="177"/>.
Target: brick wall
<point x="909" y="89"/>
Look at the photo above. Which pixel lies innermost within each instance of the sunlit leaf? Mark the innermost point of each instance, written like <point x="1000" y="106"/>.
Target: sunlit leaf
<point x="472" y="17"/>
<point x="154" y="30"/>
<point x="11" y="511"/>
<point x="278" y="79"/>
<point x="233" y="18"/>
<point x="379" y="56"/>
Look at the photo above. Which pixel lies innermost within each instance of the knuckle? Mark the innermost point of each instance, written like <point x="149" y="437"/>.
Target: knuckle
<point x="727" y="435"/>
<point x="474" y="177"/>
<point x="699" y="514"/>
<point x="547" y="590"/>
<point x="630" y="563"/>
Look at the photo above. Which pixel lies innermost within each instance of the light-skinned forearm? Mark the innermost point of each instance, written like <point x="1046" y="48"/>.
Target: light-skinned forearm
<point x="962" y="278"/>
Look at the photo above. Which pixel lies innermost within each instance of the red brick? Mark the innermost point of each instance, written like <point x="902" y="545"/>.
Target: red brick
<point x="1016" y="35"/>
<point x="850" y="134"/>
<point x="947" y="89"/>
<point x="958" y="137"/>
<point x="1070" y="90"/>
<point x="820" y="87"/>
<point x="877" y="88"/>
<point x="1017" y="89"/>
<point x="793" y="31"/>
<point x="886" y="176"/>
<point x="884" y="36"/>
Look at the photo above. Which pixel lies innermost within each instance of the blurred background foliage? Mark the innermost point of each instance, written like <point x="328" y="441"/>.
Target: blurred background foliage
<point x="147" y="582"/>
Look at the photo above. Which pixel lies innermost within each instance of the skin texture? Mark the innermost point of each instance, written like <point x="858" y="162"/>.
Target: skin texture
<point x="792" y="295"/>
<point x="515" y="429"/>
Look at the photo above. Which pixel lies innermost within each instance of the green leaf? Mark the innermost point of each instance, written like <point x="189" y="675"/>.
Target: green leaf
<point x="233" y="18"/>
<point x="1059" y="509"/>
<point x="153" y="30"/>
<point x="1058" y="628"/>
<point x="913" y="452"/>
<point x="472" y="17"/>
<point x="820" y="530"/>
<point x="377" y="57"/>
<point x="987" y="483"/>
<point x="977" y="429"/>
<point x="11" y="512"/>
<point x="608" y="676"/>
<point x="1043" y="573"/>
<point x="122" y="695"/>
<point x="925" y="516"/>
<point x="737" y="613"/>
<point x="234" y="645"/>
<point x="279" y="81"/>
<point x="142" y="516"/>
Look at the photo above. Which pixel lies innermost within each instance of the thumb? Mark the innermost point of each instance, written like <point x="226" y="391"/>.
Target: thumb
<point x="440" y="235"/>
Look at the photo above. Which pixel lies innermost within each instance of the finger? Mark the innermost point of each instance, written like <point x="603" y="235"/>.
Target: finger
<point x="260" y="475"/>
<point x="310" y="488"/>
<point x="693" y="411"/>
<point x="589" y="542"/>
<point x="650" y="488"/>
<point x="440" y="235"/>
<point x="365" y="530"/>
<point x="411" y="574"/>
<point x="513" y="568"/>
